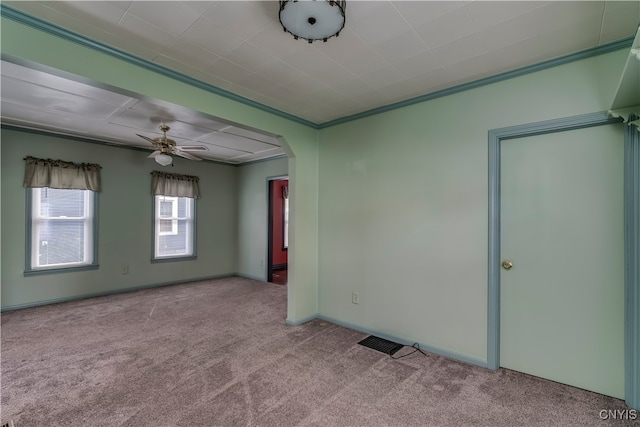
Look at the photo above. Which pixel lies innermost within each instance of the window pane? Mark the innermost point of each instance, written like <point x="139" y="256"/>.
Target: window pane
<point x="182" y="207"/>
<point x="176" y="244"/>
<point x="166" y="225"/>
<point x="166" y="208"/>
<point x="61" y="242"/>
<point x="61" y="203"/>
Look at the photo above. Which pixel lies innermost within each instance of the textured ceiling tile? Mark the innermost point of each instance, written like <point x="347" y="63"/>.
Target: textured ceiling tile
<point x="486" y="14"/>
<point x="376" y="23"/>
<point x="250" y="57"/>
<point x="191" y="54"/>
<point x="418" y="13"/>
<point x="203" y="33"/>
<point x="103" y="14"/>
<point x="272" y="39"/>
<point x="474" y="68"/>
<point x="229" y="71"/>
<point x="165" y="15"/>
<point x="459" y="50"/>
<point x="401" y="46"/>
<point x="243" y="18"/>
<point x="554" y="15"/>
<point x="621" y="18"/>
<point x="280" y="72"/>
<point x="518" y="55"/>
<point x="509" y="32"/>
<point x="309" y="64"/>
<point x="450" y="27"/>
<point x="382" y="76"/>
<point x="419" y="64"/>
<point x="147" y="34"/>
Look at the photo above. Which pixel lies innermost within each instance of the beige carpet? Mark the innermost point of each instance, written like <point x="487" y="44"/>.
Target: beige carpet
<point x="218" y="353"/>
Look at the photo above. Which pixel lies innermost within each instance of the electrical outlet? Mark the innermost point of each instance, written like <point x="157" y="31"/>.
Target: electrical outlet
<point x="125" y="268"/>
<point x="355" y="298"/>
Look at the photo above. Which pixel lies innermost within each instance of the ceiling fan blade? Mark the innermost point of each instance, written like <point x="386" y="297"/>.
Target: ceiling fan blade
<point x="192" y="147"/>
<point x="147" y="138"/>
<point x="186" y="155"/>
<point x="153" y="155"/>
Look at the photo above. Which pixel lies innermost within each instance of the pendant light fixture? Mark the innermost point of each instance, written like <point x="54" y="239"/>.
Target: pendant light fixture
<point x="312" y="19"/>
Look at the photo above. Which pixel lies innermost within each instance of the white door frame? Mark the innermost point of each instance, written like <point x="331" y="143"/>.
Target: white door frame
<point x="632" y="237"/>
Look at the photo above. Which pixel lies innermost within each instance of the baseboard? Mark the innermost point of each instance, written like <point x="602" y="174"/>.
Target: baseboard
<point x="111" y="292"/>
<point x="301" y="321"/>
<point x="426" y="347"/>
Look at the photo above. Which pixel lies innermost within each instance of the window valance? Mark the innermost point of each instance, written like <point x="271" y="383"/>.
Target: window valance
<point x="60" y="174"/>
<point x="173" y="184"/>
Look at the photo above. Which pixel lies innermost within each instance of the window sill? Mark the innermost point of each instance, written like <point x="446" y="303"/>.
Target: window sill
<point x="173" y="259"/>
<point x="45" y="271"/>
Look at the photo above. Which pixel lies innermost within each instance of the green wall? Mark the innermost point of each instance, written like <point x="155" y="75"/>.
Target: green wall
<point x="37" y="48"/>
<point x="252" y="215"/>
<point x="393" y="206"/>
<point x="403" y="207"/>
<point x="124" y="221"/>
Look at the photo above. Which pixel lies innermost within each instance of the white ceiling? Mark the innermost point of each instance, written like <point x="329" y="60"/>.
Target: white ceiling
<point x="389" y="51"/>
<point x="38" y="100"/>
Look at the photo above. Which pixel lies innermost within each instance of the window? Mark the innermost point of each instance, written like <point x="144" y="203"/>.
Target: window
<point x="168" y="214"/>
<point x="62" y="229"/>
<point x="174" y="227"/>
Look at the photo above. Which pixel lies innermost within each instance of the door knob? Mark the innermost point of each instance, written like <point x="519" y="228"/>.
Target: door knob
<point x="506" y="264"/>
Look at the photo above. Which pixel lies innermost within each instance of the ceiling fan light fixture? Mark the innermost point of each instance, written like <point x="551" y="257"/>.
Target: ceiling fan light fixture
<point x="163" y="159"/>
<point x="312" y="19"/>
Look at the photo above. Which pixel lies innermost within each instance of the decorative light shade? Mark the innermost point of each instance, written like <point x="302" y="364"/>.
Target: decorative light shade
<point x="312" y="19"/>
<point x="164" y="159"/>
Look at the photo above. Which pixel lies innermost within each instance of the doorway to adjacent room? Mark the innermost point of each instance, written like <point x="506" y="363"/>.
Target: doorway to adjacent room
<point x="278" y="235"/>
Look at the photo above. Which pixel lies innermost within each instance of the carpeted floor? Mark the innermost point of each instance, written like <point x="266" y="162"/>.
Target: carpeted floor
<point x="218" y="353"/>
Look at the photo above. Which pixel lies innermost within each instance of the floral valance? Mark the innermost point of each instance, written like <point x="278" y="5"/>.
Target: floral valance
<point x="173" y="184"/>
<point x="40" y="173"/>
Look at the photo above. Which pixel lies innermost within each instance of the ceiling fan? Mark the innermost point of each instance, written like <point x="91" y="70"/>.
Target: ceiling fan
<point x="165" y="146"/>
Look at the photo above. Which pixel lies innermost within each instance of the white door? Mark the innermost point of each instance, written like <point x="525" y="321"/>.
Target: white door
<point x="562" y="302"/>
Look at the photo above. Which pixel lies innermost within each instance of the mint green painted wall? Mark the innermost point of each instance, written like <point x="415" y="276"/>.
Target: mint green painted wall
<point x="253" y="211"/>
<point x="393" y="206"/>
<point x="124" y="213"/>
<point x="29" y="44"/>
<point x="403" y="204"/>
